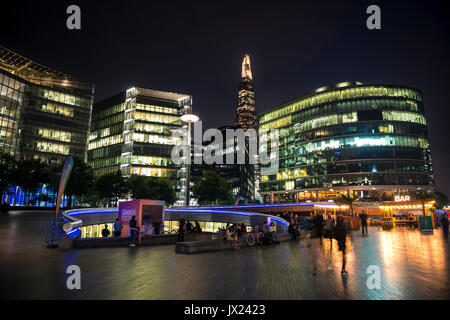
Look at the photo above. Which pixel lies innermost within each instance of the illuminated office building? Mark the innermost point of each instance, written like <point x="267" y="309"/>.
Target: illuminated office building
<point x="246" y="119"/>
<point x="367" y="141"/>
<point x="246" y="109"/>
<point x="132" y="131"/>
<point x="44" y="114"/>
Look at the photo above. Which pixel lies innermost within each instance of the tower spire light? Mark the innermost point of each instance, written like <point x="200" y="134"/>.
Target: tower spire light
<point x="246" y="68"/>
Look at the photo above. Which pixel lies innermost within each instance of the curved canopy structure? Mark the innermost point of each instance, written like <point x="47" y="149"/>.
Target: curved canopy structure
<point x="83" y="217"/>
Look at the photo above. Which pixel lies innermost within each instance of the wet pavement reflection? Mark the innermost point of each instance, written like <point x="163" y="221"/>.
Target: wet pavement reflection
<point x="412" y="266"/>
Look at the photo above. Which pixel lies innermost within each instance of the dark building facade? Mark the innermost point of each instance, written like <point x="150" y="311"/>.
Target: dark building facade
<point x="45" y="114"/>
<point x="239" y="176"/>
<point x="367" y="141"/>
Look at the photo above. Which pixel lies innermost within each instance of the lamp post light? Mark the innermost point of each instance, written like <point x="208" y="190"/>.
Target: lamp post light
<point x="189" y="118"/>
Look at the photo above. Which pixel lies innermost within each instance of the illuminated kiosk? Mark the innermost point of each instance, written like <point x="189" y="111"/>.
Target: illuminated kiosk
<point x="148" y="211"/>
<point x="402" y="206"/>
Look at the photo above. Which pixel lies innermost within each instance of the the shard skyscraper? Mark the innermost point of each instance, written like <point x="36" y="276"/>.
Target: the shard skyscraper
<point x="246" y="108"/>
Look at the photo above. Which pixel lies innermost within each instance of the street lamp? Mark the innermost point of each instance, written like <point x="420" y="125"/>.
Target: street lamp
<point x="189" y="118"/>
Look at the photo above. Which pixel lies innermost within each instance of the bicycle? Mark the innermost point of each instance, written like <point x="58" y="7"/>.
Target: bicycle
<point x="254" y="238"/>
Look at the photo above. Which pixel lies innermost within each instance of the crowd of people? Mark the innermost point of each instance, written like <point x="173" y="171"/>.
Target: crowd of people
<point x="265" y="234"/>
<point x="331" y="228"/>
<point x="135" y="229"/>
<point x="187" y="227"/>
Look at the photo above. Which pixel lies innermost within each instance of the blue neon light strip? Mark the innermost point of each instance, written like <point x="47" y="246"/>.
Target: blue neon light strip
<point x="248" y="214"/>
<point x="265" y="205"/>
<point x="89" y="211"/>
<point x="210" y="211"/>
<point x="110" y="210"/>
<point x="73" y="231"/>
<point x="185" y="210"/>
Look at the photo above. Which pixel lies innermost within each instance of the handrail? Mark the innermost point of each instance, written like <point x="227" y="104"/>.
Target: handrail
<point x="71" y="220"/>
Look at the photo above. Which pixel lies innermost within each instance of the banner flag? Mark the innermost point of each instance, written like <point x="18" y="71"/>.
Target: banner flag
<point x="67" y="169"/>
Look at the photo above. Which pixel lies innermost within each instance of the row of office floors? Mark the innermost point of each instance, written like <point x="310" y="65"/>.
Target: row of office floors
<point x="362" y="194"/>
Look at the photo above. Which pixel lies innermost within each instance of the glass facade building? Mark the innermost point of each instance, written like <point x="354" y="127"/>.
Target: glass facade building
<point x="45" y="114"/>
<point x="246" y="118"/>
<point x="367" y="141"/>
<point x="132" y="131"/>
<point x="246" y="109"/>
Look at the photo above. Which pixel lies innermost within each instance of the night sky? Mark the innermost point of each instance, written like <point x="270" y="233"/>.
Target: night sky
<point x="196" y="47"/>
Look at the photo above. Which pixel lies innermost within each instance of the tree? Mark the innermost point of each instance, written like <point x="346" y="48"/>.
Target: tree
<point x="93" y="199"/>
<point x="81" y="180"/>
<point x="28" y="175"/>
<point x="44" y="198"/>
<point x="155" y="188"/>
<point x="166" y="190"/>
<point x="138" y="187"/>
<point x="346" y="200"/>
<point x="111" y="186"/>
<point x="211" y="188"/>
<point x="440" y="199"/>
<point x="424" y="197"/>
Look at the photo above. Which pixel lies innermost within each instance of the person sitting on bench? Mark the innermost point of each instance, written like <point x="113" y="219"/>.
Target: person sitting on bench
<point x="273" y="232"/>
<point x="267" y="239"/>
<point x="233" y="236"/>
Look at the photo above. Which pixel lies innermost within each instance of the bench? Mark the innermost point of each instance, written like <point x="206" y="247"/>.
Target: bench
<point x="146" y="240"/>
<point x="190" y="247"/>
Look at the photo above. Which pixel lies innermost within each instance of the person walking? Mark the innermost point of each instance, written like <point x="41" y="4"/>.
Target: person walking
<point x="329" y="229"/>
<point x="340" y="234"/>
<point x="147" y="226"/>
<point x="181" y="229"/>
<point x="134" y="228"/>
<point x="117" y="228"/>
<point x="444" y="223"/>
<point x="295" y="231"/>
<point x="411" y="221"/>
<point x="291" y="229"/>
<point x="318" y="225"/>
<point x="363" y="218"/>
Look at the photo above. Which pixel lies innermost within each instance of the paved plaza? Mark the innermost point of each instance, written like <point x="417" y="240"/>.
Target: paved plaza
<point x="413" y="266"/>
